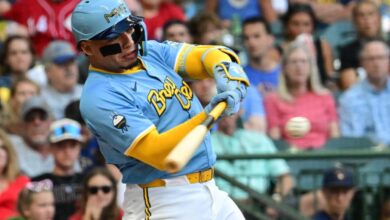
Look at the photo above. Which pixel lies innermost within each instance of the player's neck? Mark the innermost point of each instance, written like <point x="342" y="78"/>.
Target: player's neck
<point x="133" y="68"/>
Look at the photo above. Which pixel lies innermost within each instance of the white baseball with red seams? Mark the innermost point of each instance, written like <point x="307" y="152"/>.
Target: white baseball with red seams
<point x="297" y="127"/>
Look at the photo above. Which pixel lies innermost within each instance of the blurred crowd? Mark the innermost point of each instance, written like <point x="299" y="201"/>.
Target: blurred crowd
<point x="319" y="70"/>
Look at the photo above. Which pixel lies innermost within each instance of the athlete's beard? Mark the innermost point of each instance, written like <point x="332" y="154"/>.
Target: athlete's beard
<point x="130" y="66"/>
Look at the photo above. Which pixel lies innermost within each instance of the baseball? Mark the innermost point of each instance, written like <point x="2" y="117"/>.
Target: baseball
<point x="297" y="127"/>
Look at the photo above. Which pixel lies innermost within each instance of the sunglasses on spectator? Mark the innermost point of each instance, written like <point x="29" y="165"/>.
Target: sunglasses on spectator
<point x="69" y="129"/>
<point x="39" y="186"/>
<point x="94" y="189"/>
<point x="42" y="116"/>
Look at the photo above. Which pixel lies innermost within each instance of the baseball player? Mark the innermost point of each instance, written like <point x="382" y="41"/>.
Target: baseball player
<point x="137" y="104"/>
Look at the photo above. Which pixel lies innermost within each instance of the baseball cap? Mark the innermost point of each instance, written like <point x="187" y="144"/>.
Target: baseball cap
<point x="59" y="52"/>
<point x="34" y="103"/>
<point x="65" y="129"/>
<point x="338" y="177"/>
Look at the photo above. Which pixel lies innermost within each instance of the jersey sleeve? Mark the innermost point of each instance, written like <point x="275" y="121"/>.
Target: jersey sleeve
<point x="192" y="62"/>
<point x="166" y="52"/>
<point x="115" y="119"/>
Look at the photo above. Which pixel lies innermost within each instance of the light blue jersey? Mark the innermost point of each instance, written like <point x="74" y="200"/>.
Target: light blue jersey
<point x="121" y="108"/>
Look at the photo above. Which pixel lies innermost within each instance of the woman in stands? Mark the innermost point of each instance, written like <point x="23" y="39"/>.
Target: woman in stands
<point x="300" y="22"/>
<point x="300" y="94"/>
<point x="99" y="198"/>
<point x="16" y="59"/>
<point x="11" y="180"/>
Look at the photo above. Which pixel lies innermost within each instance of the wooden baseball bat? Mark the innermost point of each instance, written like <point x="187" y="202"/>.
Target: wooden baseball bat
<point x="186" y="148"/>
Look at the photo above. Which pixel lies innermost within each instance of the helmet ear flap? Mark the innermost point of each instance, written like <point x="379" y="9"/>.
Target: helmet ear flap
<point x="142" y="48"/>
<point x="142" y="38"/>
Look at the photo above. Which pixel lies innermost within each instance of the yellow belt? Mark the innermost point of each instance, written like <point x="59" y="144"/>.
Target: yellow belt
<point x="197" y="177"/>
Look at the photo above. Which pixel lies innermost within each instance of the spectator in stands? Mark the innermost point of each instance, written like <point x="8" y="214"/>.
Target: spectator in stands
<point x="11" y="180"/>
<point x="65" y="140"/>
<point x="177" y="30"/>
<point x="5" y="6"/>
<point x="98" y="199"/>
<point x="257" y="174"/>
<point x="365" y="108"/>
<point x="33" y="147"/>
<point x="63" y="74"/>
<point x="36" y="201"/>
<point x="300" y="19"/>
<point x="252" y="110"/>
<point x="204" y="90"/>
<point x="134" y="6"/>
<point x="329" y="12"/>
<point x="347" y="78"/>
<point x="90" y="153"/>
<point x="367" y="20"/>
<point x="264" y="59"/>
<point x="16" y="59"/>
<point x="21" y="90"/>
<point x="157" y="13"/>
<point x="226" y="9"/>
<point x="300" y="94"/>
<point x="338" y="189"/>
<point x="45" y="20"/>
<point x="206" y="29"/>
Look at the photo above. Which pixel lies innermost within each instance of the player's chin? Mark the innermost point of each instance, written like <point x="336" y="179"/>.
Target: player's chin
<point x="128" y="64"/>
<point x="128" y="60"/>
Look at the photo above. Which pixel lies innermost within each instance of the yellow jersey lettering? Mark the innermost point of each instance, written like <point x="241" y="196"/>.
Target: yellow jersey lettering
<point x="169" y="87"/>
<point x="186" y="91"/>
<point x="158" y="98"/>
<point x="185" y="104"/>
<point x="157" y="101"/>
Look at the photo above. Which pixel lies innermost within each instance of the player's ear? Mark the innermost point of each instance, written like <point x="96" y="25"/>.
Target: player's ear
<point x="85" y="48"/>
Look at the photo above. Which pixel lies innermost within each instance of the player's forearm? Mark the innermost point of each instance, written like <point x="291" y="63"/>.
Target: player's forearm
<point x="154" y="147"/>
<point x="197" y="62"/>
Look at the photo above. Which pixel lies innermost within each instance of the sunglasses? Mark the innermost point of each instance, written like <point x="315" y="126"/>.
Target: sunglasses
<point x="69" y="130"/>
<point x="94" y="189"/>
<point x="36" y="114"/>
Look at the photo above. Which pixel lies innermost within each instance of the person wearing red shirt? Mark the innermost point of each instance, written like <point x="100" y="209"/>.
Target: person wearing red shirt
<point x="11" y="181"/>
<point x="45" y="20"/>
<point x="300" y="94"/>
<point x="157" y="13"/>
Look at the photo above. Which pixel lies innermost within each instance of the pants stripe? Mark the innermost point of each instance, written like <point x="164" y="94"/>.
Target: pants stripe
<point x="147" y="204"/>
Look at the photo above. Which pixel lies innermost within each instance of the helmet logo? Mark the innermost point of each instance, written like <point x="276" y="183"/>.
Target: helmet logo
<point x="116" y="12"/>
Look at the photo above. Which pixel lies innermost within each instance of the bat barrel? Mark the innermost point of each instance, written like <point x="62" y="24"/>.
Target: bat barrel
<point x="185" y="149"/>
